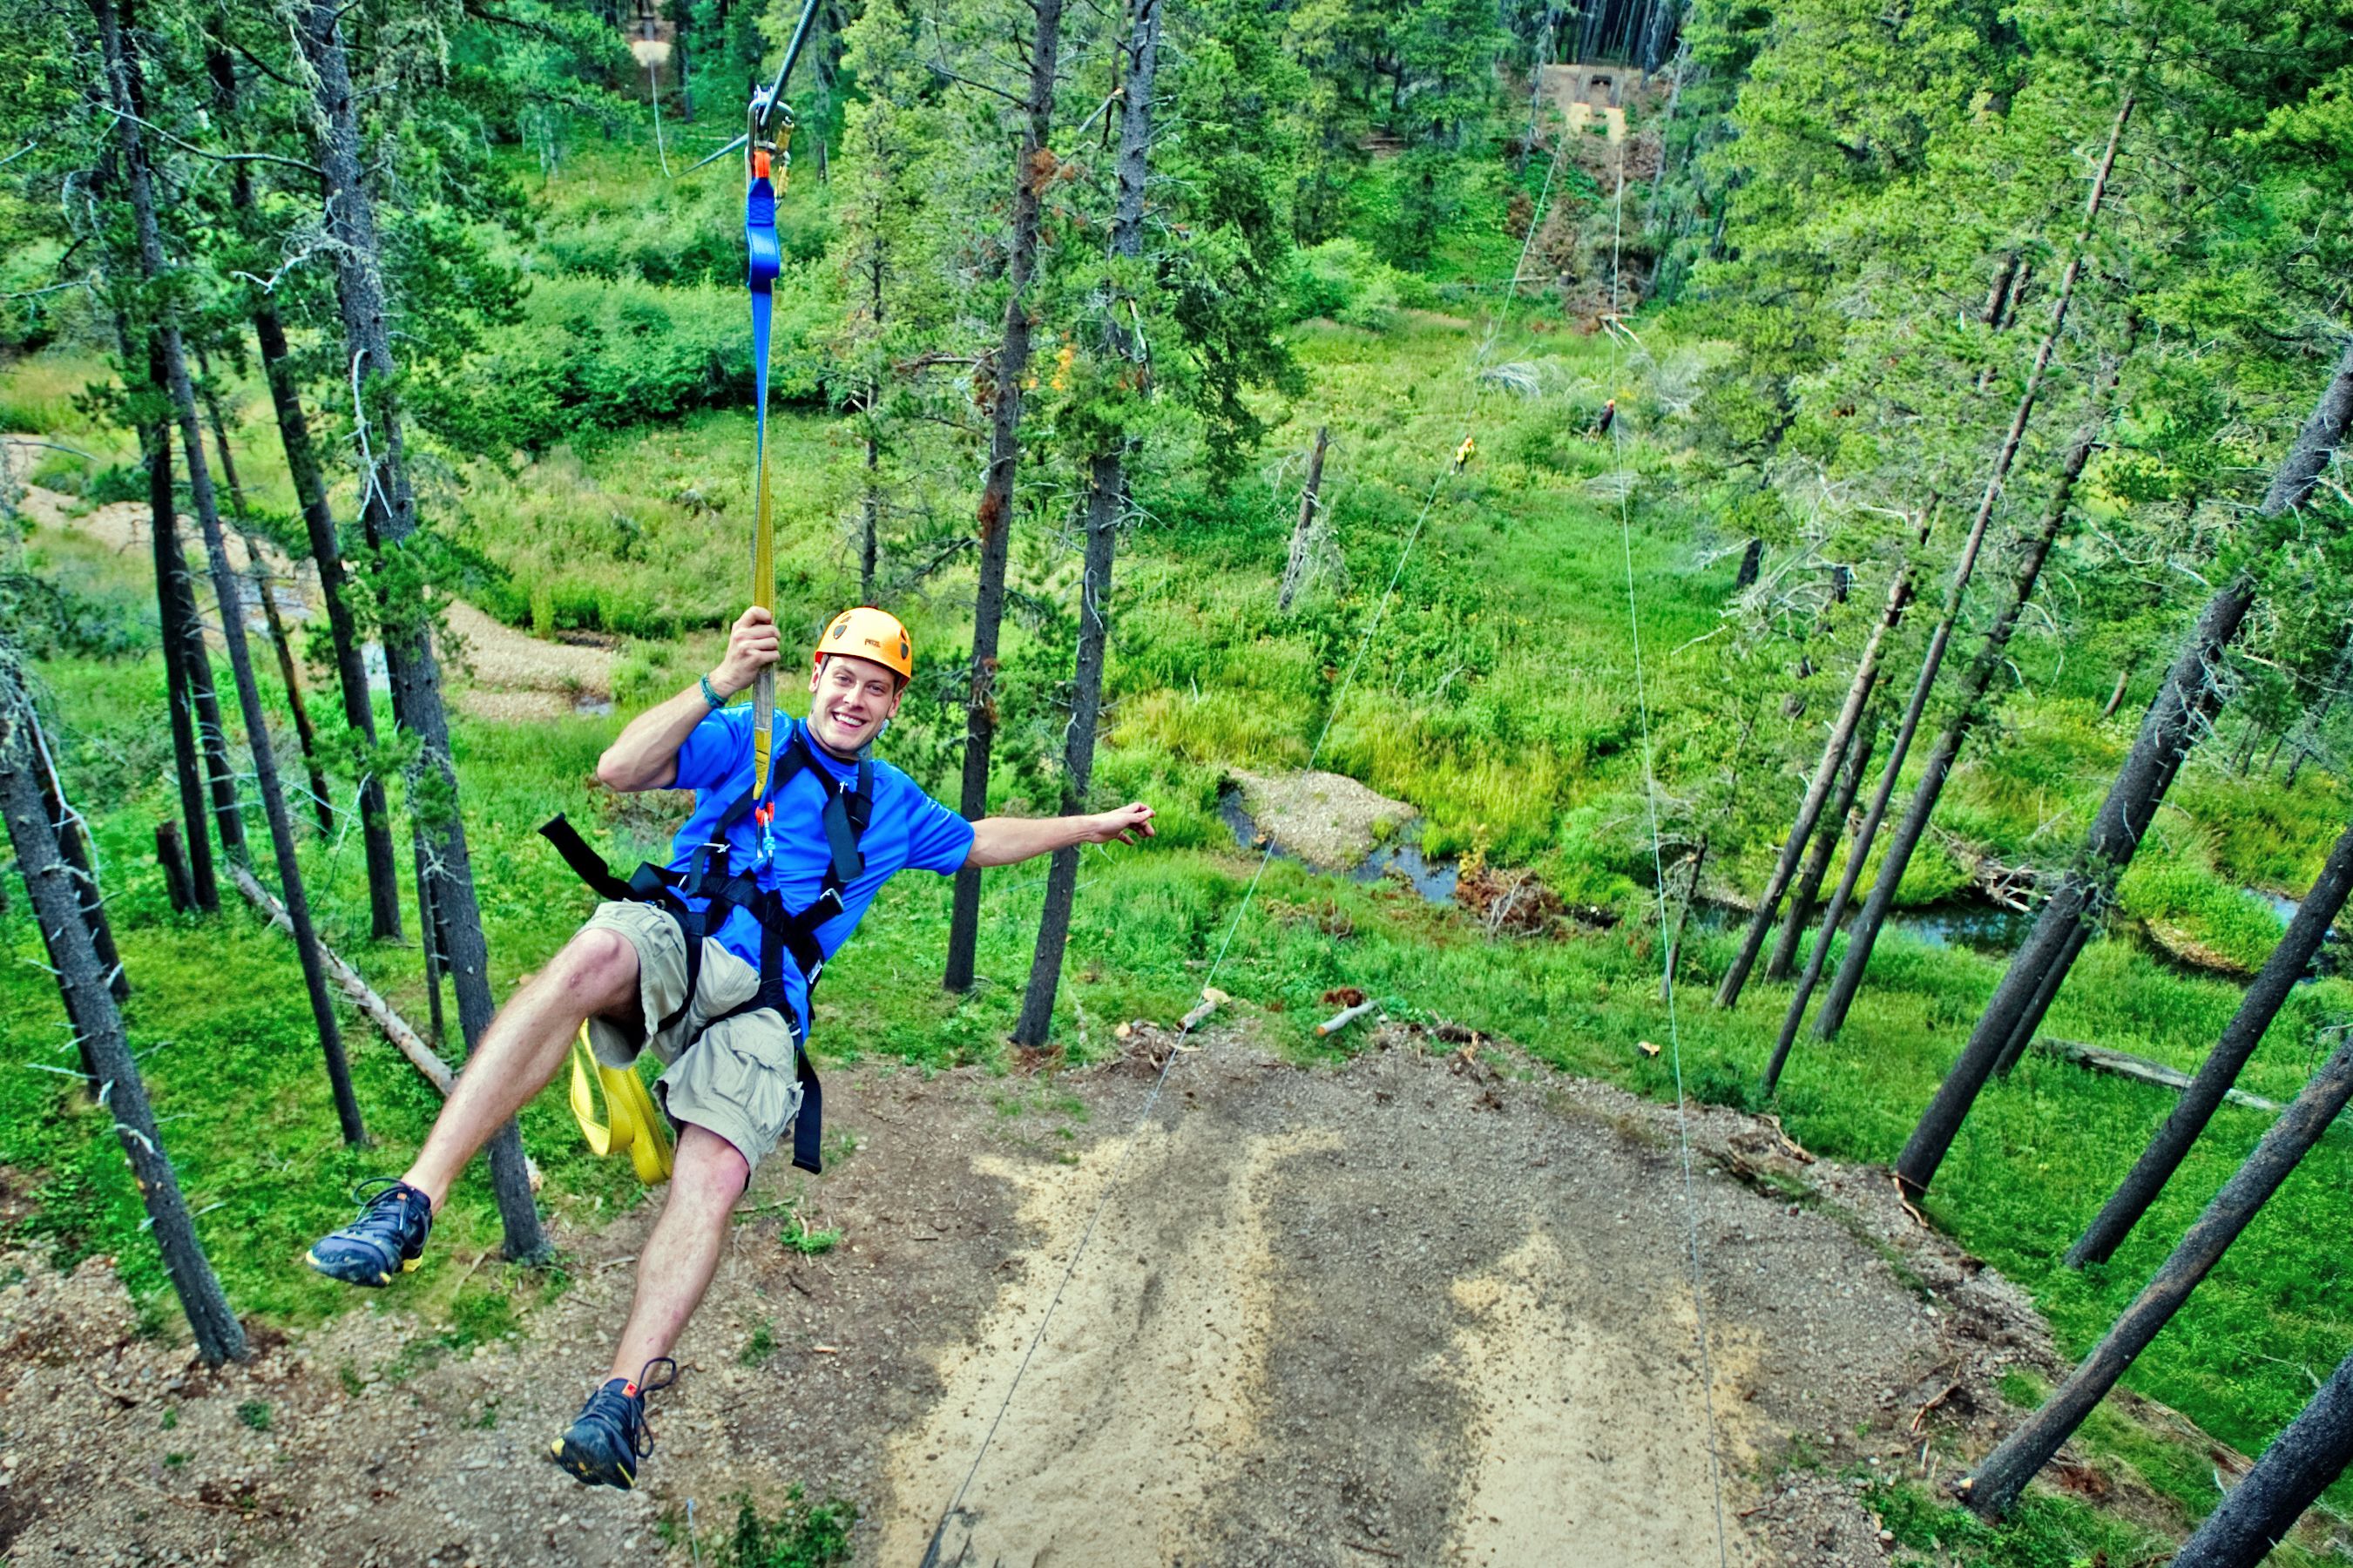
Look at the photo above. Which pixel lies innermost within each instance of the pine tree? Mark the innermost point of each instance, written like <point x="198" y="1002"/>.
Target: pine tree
<point x="1106" y="498"/>
<point x="389" y="518"/>
<point x="118" y="69"/>
<point x="1034" y="165"/>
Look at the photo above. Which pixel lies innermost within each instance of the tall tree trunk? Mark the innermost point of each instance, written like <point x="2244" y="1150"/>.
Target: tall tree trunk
<point x="326" y="548"/>
<point x="79" y="1014"/>
<point x="1104" y="503"/>
<point x="1106" y="499"/>
<point x="82" y="981"/>
<point x="1672" y="969"/>
<point x="195" y="658"/>
<point x="2188" y="698"/>
<point x="1034" y="168"/>
<point x="258" y="568"/>
<point x="870" y="500"/>
<point x="1810" y="810"/>
<point x="1999" y="295"/>
<point x="1827" y="834"/>
<point x="1866" y="933"/>
<point x="2022" y="1455"/>
<point x="119" y="73"/>
<point x="171" y="579"/>
<point x="2288" y="964"/>
<point x="390" y="518"/>
<point x="2117" y="693"/>
<point x="2302" y="1462"/>
<point x="1294" y="570"/>
<point x="1966" y="711"/>
<point x="67" y="825"/>
<point x="1752" y="565"/>
<point x="430" y="938"/>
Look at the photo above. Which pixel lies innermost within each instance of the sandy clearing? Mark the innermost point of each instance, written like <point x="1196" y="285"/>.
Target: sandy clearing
<point x="1161" y="1361"/>
<point x="500" y="672"/>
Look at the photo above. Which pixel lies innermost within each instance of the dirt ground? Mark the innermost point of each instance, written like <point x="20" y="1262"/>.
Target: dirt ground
<point x="1412" y="1309"/>
<point x="497" y="671"/>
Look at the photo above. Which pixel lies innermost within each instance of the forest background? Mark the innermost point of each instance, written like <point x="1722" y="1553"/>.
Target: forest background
<point x="1740" y="330"/>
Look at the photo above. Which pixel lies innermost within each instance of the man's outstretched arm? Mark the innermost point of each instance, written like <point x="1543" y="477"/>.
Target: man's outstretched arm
<point x="644" y="755"/>
<point x="1002" y="840"/>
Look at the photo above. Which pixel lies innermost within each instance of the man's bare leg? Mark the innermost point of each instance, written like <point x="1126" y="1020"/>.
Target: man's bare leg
<point x="682" y="1253"/>
<point x="526" y="1044"/>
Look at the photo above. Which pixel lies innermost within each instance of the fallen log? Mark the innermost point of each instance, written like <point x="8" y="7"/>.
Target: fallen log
<point x="1344" y="1017"/>
<point x="389" y="1023"/>
<point x="1210" y="997"/>
<point x="2140" y="1069"/>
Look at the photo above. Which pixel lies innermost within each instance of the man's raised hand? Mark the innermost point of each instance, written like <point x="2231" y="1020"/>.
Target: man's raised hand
<point x="752" y="646"/>
<point x="1124" y="825"/>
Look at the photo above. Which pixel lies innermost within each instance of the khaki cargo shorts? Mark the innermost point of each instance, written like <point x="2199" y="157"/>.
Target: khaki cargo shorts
<point x="737" y="1077"/>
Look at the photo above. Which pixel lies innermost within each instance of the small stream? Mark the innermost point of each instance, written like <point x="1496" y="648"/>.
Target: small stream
<point x="1966" y="925"/>
<point x="1970" y="926"/>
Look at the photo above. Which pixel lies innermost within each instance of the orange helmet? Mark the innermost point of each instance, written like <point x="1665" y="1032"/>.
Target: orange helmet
<point x="868" y="633"/>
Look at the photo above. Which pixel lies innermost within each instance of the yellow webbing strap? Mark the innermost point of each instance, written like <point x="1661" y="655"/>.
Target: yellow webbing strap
<point x="631" y="1122"/>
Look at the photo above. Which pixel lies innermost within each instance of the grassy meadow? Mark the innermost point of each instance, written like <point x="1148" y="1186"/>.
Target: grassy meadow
<point x="1498" y="698"/>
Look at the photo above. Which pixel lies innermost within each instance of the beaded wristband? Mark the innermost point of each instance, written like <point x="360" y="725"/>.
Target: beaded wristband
<point x="712" y="696"/>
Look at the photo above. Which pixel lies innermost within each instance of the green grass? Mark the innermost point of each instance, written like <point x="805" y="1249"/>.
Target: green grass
<point x="800" y="1535"/>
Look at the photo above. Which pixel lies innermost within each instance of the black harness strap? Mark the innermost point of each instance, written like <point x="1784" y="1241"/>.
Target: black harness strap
<point x="848" y="810"/>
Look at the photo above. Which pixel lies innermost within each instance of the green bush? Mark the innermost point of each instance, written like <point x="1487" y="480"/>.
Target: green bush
<point x="1342" y="279"/>
<point x="590" y="358"/>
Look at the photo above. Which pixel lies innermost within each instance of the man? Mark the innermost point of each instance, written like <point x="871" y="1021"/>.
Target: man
<point x="725" y="1014"/>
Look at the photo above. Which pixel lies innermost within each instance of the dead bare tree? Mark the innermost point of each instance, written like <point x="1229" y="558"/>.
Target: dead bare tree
<point x="2288" y="964"/>
<point x="2191" y="694"/>
<point x="2019" y="1456"/>
<point x="50" y="883"/>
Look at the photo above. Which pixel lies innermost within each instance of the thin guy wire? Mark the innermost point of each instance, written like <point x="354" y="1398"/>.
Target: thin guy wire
<point x="1364" y="645"/>
<point x="1659" y="877"/>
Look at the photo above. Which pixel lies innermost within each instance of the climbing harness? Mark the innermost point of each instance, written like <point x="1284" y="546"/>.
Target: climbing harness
<point x="630" y="1123"/>
<point x="708" y="879"/>
<point x="701" y="897"/>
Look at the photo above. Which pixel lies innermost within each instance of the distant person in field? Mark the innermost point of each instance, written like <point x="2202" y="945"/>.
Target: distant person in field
<point x="708" y="961"/>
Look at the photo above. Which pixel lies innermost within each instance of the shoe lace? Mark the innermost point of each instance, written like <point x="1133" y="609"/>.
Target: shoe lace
<point x="634" y="1429"/>
<point x="387" y="1198"/>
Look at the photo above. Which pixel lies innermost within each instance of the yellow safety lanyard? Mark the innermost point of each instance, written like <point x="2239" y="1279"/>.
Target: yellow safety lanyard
<point x="630" y="1121"/>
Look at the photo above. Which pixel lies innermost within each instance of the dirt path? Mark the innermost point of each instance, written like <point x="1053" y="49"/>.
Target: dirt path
<point x="499" y="673"/>
<point x="1399" y="1311"/>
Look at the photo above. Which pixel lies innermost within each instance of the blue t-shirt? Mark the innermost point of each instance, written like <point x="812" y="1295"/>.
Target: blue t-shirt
<point x="907" y="828"/>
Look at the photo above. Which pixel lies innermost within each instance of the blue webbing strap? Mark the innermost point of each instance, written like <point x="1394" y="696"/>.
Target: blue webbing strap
<point x="765" y="262"/>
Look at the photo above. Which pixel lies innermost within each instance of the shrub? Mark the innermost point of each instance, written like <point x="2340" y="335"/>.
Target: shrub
<point x="1342" y="279"/>
<point x="591" y="358"/>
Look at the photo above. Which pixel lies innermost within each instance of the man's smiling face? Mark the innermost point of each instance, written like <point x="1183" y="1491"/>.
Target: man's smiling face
<point x="849" y="698"/>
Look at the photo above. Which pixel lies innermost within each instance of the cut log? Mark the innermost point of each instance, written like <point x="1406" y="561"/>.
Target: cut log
<point x="1210" y="997"/>
<point x="389" y="1023"/>
<point x="1344" y="1017"/>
